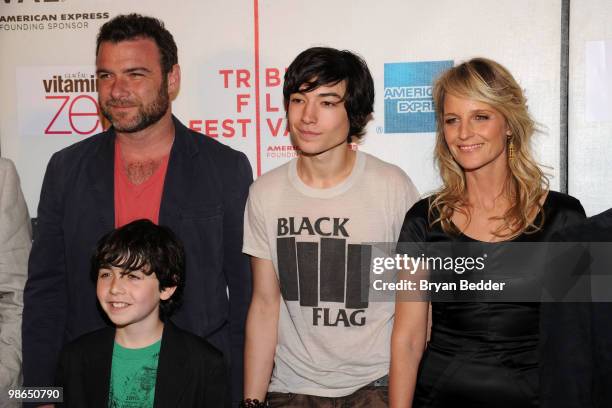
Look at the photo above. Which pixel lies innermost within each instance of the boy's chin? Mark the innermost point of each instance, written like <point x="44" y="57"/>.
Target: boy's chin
<point x="118" y="322"/>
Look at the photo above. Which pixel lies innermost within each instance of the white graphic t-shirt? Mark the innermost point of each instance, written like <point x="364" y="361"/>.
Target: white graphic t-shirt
<point x="331" y="339"/>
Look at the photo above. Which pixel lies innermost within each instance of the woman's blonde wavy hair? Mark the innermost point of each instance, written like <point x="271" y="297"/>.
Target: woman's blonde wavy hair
<point x="487" y="81"/>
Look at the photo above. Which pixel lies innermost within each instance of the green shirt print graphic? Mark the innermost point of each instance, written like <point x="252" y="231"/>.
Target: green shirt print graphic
<point x="133" y="376"/>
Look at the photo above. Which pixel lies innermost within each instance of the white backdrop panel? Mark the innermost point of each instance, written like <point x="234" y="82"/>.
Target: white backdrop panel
<point x="412" y="31"/>
<point x="590" y="138"/>
<point x="217" y="53"/>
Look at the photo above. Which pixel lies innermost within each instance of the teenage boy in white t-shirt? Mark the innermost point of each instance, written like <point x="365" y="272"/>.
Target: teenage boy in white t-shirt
<point x="312" y="337"/>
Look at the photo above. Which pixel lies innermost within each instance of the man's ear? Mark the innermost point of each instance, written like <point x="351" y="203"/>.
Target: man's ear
<point x="167" y="293"/>
<point x="174" y="81"/>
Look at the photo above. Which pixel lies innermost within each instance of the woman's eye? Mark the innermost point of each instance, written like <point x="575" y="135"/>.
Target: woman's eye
<point x="482" y="117"/>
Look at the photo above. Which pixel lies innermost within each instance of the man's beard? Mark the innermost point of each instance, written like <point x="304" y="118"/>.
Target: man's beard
<point x="146" y="116"/>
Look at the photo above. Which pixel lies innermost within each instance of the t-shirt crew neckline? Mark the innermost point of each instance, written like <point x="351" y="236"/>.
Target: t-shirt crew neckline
<point x="126" y="353"/>
<point x="344" y="186"/>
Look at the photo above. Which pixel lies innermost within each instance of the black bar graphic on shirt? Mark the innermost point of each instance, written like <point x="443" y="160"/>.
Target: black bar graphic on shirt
<point x="333" y="261"/>
<point x="308" y="262"/>
<point x="358" y="276"/>
<point x="287" y="268"/>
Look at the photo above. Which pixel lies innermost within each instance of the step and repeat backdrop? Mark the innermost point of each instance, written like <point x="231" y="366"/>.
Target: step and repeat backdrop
<point x="590" y="104"/>
<point x="233" y="54"/>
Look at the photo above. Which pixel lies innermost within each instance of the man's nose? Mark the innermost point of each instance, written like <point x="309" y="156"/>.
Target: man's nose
<point x="309" y="114"/>
<point x="119" y="88"/>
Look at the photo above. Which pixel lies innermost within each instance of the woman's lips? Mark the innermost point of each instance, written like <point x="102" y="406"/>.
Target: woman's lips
<point x="470" y="147"/>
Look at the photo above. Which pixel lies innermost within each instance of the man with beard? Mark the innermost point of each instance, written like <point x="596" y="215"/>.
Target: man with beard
<point x="147" y="165"/>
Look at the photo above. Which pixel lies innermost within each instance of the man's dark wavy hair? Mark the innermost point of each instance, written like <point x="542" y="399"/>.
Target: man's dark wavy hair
<point x="134" y="26"/>
<point x="149" y="248"/>
<point x="324" y="66"/>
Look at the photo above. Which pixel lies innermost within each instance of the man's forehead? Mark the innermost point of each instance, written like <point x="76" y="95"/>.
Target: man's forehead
<point x="129" y="54"/>
<point x="137" y="45"/>
<point x="333" y="88"/>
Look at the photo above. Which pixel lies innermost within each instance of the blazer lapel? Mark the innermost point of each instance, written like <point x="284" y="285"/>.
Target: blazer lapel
<point x="179" y="176"/>
<point x="99" y="363"/>
<point x="101" y="174"/>
<point x="171" y="373"/>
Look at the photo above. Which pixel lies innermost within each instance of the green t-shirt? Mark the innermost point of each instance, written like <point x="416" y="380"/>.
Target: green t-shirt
<point x="133" y="376"/>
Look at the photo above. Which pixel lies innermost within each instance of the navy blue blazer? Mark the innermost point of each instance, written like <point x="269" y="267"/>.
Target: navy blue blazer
<point x="203" y="201"/>
<point x="579" y="373"/>
<point x="190" y="372"/>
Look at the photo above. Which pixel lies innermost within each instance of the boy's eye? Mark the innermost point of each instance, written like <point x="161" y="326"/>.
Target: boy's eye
<point x="296" y="100"/>
<point x="104" y="274"/>
<point x="133" y="276"/>
<point x="329" y="103"/>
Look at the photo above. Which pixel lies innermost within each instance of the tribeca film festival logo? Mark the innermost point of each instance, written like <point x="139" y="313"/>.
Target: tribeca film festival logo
<point x="408" y="96"/>
<point x="58" y="101"/>
<point x="237" y="124"/>
<point x="329" y="270"/>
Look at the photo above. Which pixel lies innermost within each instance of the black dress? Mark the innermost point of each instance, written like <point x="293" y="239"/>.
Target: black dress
<point x="483" y="355"/>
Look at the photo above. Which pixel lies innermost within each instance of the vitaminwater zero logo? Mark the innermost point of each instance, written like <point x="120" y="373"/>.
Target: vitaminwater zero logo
<point x="408" y="96"/>
<point x="326" y="271"/>
<point x="73" y="98"/>
<point x="57" y="100"/>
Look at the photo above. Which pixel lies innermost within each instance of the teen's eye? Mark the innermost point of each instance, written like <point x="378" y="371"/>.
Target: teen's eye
<point x="104" y="274"/>
<point x="328" y="104"/>
<point x="296" y="100"/>
<point x="133" y="276"/>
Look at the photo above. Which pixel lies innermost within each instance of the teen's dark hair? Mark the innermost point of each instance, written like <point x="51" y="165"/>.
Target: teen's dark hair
<point x="323" y="66"/>
<point x="149" y="248"/>
<point x="135" y="26"/>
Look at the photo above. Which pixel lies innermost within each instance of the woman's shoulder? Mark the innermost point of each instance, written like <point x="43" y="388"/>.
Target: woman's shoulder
<point x="416" y="223"/>
<point x="564" y="203"/>
<point x="420" y="209"/>
<point x="562" y="211"/>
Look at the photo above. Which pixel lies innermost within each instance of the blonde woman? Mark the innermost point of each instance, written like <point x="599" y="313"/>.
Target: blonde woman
<point x="479" y="354"/>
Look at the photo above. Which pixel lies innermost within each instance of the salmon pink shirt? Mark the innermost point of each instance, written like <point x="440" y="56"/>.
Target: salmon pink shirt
<point x="136" y="201"/>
